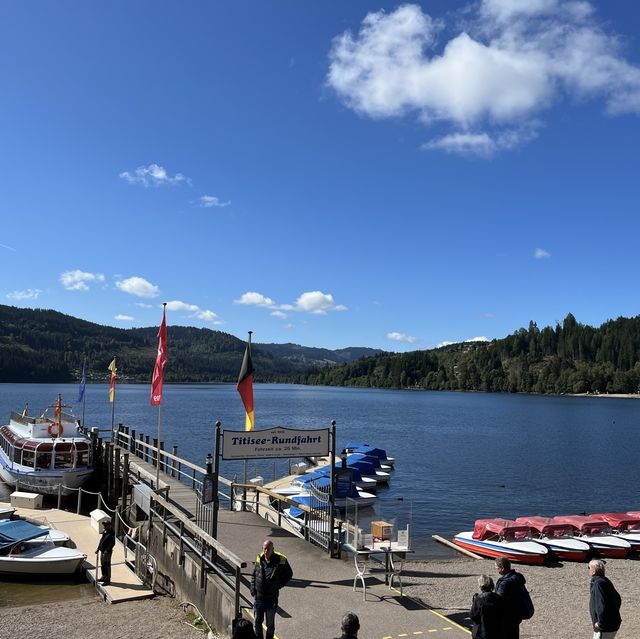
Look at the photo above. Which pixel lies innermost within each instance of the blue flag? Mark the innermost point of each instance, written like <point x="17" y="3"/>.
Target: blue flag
<point x="83" y="383"/>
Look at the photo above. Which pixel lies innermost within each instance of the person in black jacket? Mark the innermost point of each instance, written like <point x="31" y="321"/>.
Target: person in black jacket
<point x="604" y="603"/>
<point x="271" y="572"/>
<point x="486" y="612"/>
<point x="509" y="588"/>
<point x="105" y="548"/>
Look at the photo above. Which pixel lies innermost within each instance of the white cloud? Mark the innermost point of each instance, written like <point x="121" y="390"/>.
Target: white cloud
<point x="177" y="305"/>
<point x="481" y="144"/>
<point x="143" y="305"/>
<point x="210" y="201"/>
<point x="315" y="302"/>
<point x="79" y="280"/>
<point x="124" y="318"/>
<point x="28" y="294"/>
<point x="491" y="79"/>
<point x="138" y="286"/>
<point x="541" y="254"/>
<point x="480" y="338"/>
<point x="278" y="314"/>
<point x="251" y="298"/>
<point x="153" y="175"/>
<point x="9" y="248"/>
<point x="401" y="337"/>
<point x="318" y="303"/>
<point x="195" y="311"/>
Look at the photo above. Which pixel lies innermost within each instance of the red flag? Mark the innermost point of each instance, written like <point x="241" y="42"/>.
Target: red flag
<point x="245" y="387"/>
<point x="161" y="360"/>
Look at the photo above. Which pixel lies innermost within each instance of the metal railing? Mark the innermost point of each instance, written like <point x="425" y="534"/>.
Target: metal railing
<point x="212" y="555"/>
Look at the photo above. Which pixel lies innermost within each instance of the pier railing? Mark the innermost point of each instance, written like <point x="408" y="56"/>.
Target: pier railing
<point x="170" y="463"/>
<point x="188" y="537"/>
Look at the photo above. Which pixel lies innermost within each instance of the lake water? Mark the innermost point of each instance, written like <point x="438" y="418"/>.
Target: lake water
<point x="460" y="456"/>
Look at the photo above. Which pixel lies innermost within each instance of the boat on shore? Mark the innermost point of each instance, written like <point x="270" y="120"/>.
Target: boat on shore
<point x="42" y="453"/>
<point x="558" y="538"/>
<point x="27" y="549"/>
<point x="503" y="538"/>
<point x="598" y="534"/>
<point x="623" y="525"/>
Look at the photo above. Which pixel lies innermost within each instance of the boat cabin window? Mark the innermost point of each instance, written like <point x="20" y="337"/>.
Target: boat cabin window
<point x="28" y="458"/>
<point x="43" y="460"/>
<point x="82" y="458"/>
<point x="17" y="455"/>
<point x="63" y="460"/>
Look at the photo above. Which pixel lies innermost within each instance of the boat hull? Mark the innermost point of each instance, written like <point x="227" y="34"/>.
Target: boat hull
<point x="523" y="552"/>
<point x="34" y="560"/>
<point x="566" y="549"/>
<point x="611" y="546"/>
<point x="45" y="483"/>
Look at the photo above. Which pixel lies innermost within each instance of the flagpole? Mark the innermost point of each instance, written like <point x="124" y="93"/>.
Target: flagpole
<point x="246" y="461"/>
<point x="158" y="448"/>
<point x="84" y="391"/>
<point x="113" y="407"/>
<point x="158" y="370"/>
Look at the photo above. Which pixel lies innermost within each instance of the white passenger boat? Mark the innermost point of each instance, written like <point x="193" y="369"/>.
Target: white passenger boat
<point x="25" y="550"/>
<point x="41" y="453"/>
<point x="558" y="538"/>
<point x="502" y="538"/>
<point x="597" y="534"/>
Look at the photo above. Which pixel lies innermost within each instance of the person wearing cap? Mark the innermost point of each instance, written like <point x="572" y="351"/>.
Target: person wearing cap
<point x="105" y="548"/>
<point x="271" y="573"/>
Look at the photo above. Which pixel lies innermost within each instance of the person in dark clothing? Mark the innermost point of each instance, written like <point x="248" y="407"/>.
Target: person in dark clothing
<point x="604" y="603"/>
<point x="105" y="548"/>
<point x="486" y="612"/>
<point x="509" y="588"/>
<point x="271" y="573"/>
<point x="350" y="626"/>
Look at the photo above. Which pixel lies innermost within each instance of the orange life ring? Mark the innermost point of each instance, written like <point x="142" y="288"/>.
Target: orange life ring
<point x="55" y="430"/>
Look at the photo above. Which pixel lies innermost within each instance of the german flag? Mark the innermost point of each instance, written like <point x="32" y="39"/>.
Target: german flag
<point x="245" y="387"/>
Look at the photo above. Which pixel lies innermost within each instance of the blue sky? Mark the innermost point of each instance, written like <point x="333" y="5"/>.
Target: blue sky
<point x="329" y="174"/>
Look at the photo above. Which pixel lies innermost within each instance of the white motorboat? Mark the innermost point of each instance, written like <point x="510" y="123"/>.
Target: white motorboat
<point x="367" y="484"/>
<point x="597" y="534"/>
<point x="41" y="453"/>
<point x="24" y="550"/>
<point x="502" y="538"/>
<point x="362" y="498"/>
<point x="558" y="538"/>
<point x="5" y="513"/>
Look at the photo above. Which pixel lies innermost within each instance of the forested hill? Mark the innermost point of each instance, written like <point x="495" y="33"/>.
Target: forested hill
<point x="47" y="346"/>
<point x="568" y="358"/>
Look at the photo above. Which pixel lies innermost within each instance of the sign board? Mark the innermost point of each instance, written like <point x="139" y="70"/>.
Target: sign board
<point x="344" y="480"/>
<point x="275" y="442"/>
<point x="207" y="489"/>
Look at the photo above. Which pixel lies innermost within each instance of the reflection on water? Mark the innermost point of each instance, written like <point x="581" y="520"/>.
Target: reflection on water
<point x="15" y="592"/>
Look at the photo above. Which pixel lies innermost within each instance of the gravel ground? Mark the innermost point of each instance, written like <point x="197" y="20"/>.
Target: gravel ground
<point x="158" y="618"/>
<point x="560" y="593"/>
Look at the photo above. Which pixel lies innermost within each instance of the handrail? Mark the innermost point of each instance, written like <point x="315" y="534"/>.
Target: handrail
<point x="222" y="551"/>
<point x="167" y="456"/>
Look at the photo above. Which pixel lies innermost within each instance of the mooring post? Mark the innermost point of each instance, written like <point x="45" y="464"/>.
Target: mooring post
<point x="79" y="501"/>
<point x="140" y="451"/>
<point x="174" y="452"/>
<point x="148" y="451"/>
<point x="59" y="496"/>
<point x="162" y="460"/>
<point x="132" y="441"/>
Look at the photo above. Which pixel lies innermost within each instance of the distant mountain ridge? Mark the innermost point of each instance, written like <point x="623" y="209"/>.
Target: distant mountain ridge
<point x="48" y="346"/>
